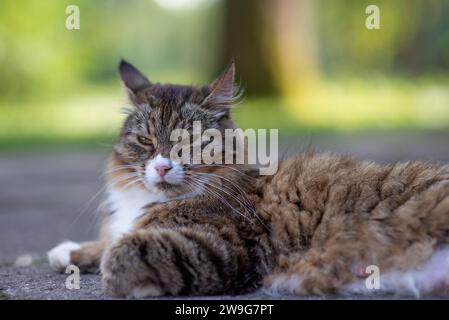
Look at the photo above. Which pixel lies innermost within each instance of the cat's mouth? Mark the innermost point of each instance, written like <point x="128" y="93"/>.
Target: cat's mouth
<point x="164" y="185"/>
<point x="181" y="188"/>
<point x="169" y="189"/>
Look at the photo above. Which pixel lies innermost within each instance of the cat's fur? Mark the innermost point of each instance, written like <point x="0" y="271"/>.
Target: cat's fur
<point x="312" y="228"/>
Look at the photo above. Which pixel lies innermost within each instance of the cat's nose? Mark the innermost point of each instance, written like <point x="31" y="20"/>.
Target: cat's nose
<point x="162" y="169"/>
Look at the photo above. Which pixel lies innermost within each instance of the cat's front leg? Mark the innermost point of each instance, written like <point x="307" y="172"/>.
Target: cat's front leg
<point x="59" y="256"/>
<point x="162" y="261"/>
<point x="85" y="256"/>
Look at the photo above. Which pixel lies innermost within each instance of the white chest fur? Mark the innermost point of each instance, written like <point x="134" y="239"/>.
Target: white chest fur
<point x="126" y="205"/>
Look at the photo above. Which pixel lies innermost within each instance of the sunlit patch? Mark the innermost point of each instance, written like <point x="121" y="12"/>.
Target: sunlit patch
<point x="351" y="103"/>
<point x="184" y="4"/>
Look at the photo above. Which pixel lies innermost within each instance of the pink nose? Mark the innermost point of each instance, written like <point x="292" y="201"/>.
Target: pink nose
<point x="162" y="169"/>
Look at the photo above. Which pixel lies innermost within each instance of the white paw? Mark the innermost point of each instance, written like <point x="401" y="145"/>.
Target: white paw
<point x="147" y="291"/>
<point x="59" y="256"/>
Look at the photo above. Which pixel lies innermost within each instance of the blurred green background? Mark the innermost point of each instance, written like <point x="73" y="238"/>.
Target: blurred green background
<point x="306" y="65"/>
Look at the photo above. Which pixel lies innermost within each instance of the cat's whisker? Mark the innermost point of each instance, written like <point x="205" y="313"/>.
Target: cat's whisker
<point x="223" y="166"/>
<point x="123" y="166"/>
<point x="115" y="170"/>
<point x="246" y="200"/>
<point x="97" y="194"/>
<point x="193" y="189"/>
<point x="118" y="168"/>
<point x="219" y="197"/>
<point x="132" y="182"/>
<point x="222" y="178"/>
<point x="123" y="178"/>
<point x="235" y="185"/>
<point x="86" y="206"/>
<point x="96" y="216"/>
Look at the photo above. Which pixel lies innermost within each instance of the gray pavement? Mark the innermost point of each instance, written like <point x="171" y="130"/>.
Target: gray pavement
<point x="45" y="194"/>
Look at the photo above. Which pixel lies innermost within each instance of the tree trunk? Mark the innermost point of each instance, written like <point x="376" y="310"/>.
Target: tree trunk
<point x="244" y="27"/>
<point x="273" y="43"/>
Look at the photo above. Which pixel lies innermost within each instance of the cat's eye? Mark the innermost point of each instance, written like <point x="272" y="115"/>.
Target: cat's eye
<point x="145" y="141"/>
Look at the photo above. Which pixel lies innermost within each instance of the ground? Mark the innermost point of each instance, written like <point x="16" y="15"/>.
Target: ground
<point x="49" y="195"/>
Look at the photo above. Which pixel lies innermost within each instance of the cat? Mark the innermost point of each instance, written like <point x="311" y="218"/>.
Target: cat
<point x="312" y="228"/>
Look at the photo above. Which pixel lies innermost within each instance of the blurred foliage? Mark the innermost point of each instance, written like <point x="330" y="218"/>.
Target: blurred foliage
<point x="413" y="39"/>
<point x="40" y="58"/>
<point x="61" y="85"/>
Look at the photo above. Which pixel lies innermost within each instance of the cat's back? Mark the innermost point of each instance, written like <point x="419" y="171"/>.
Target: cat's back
<point x="318" y="176"/>
<point x="310" y="187"/>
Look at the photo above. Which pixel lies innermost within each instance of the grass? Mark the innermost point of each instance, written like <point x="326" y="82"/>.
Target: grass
<point x="356" y="104"/>
<point x="90" y="118"/>
<point x="94" y="117"/>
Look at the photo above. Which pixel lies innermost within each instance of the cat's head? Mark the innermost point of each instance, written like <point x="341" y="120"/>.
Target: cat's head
<point x="141" y="156"/>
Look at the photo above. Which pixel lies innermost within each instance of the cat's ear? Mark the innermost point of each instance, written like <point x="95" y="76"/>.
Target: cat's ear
<point x="222" y="91"/>
<point x="132" y="78"/>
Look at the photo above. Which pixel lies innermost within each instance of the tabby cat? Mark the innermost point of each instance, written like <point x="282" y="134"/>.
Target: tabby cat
<point x="314" y="227"/>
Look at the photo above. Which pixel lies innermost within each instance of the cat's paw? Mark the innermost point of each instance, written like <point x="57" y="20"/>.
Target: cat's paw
<point x="59" y="256"/>
<point x="130" y="269"/>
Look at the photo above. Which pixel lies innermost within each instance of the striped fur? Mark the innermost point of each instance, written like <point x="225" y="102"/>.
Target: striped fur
<point x="308" y="229"/>
<point x="325" y="215"/>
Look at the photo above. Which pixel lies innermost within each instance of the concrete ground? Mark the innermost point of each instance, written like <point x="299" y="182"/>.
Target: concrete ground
<point x="49" y="196"/>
